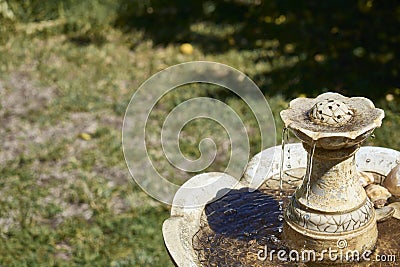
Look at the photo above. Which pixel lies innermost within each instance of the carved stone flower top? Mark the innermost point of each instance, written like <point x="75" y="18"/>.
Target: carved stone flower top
<point x="331" y="112"/>
<point x="331" y="115"/>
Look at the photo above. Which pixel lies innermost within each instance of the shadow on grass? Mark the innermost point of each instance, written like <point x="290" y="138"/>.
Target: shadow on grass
<point x="348" y="47"/>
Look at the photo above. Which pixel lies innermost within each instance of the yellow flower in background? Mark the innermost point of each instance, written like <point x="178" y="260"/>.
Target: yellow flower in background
<point x="186" y="49"/>
<point x="319" y="58"/>
<point x="289" y="48"/>
<point x="389" y="97"/>
<point x="85" y="136"/>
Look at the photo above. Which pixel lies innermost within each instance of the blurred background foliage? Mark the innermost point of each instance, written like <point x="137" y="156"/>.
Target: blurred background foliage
<point x="350" y="47"/>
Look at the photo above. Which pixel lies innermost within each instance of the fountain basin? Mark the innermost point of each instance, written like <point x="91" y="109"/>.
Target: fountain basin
<point x="188" y="219"/>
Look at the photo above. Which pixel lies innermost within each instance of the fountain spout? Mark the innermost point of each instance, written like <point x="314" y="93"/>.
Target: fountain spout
<point x="330" y="210"/>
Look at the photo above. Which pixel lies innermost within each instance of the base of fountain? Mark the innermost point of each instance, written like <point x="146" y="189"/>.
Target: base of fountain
<point x="350" y="246"/>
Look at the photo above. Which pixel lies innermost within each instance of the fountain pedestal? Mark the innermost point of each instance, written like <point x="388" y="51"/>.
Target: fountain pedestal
<point x="330" y="213"/>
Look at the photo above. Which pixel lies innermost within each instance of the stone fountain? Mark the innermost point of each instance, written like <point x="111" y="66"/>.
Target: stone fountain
<point x="317" y="182"/>
<point x="331" y="206"/>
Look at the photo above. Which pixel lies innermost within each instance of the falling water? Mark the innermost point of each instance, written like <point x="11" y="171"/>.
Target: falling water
<point x="288" y="165"/>
<point x="282" y="159"/>
<point x="285" y="137"/>
<point x="309" y="169"/>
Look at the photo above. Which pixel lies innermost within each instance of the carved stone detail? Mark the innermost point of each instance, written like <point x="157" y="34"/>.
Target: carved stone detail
<point x="329" y="223"/>
<point x="331" y="111"/>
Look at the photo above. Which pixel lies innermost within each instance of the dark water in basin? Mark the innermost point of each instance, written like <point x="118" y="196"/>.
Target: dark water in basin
<point x="236" y="228"/>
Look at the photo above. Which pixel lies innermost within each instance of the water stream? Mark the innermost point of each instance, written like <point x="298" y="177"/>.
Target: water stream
<point x="307" y="177"/>
<point x="285" y="138"/>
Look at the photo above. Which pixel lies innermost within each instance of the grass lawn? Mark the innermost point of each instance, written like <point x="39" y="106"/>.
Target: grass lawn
<point x="66" y="196"/>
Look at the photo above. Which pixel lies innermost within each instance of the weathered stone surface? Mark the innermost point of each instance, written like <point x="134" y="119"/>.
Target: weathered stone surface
<point x="332" y="112"/>
<point x="364" y="120"/>
<point x="392" y="181"/>
<point x="384" y="213"/>
<point x="396" y="207"/>
<point x="366" y="178"/>
<point x="331" y="128"/>
<point x="329" y="223"/>
<point x="378" y="195"/>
